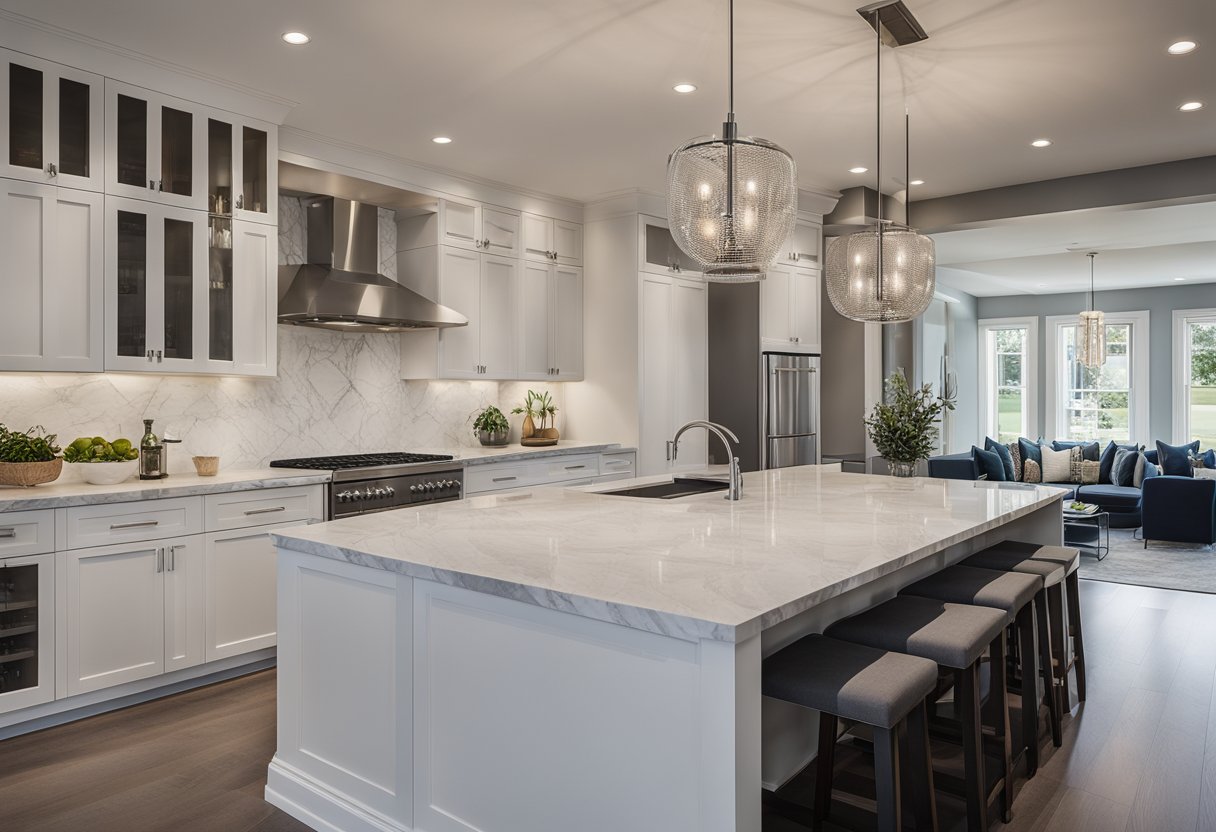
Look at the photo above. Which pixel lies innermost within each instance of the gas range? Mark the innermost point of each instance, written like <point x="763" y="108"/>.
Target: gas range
<point x="365" y="483"/>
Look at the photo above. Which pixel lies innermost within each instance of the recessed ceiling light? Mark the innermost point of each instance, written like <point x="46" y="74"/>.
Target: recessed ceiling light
<point x="917" y="182"/>
<point x="1182" y="47"/>
<point x="1179" y="278"/>
<point x="685" y="89"/>
<point x="441" y="140"/>
<point x="296" y="38"/>
<point x="858" y="170"/>
<point x="1041" y="143"/>
<point x="1191" y="106"/>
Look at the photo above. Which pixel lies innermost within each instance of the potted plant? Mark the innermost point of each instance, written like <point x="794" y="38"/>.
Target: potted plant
<point x="29" y="458"/>
<point x="538" y="410"/>
<point x="103" y="463"/>
<point x="903" y="427"/>
<point x="491" y="426"/>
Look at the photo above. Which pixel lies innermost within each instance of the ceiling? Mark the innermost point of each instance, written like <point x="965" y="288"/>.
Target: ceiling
<point x="573" y="97"/>
<point x="1045" y="254"/>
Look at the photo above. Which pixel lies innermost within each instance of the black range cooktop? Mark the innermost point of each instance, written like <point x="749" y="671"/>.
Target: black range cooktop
<point x="341" y="463"/>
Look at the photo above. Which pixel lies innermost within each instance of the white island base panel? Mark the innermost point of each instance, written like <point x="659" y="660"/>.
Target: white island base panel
<point x="406" y="704"/>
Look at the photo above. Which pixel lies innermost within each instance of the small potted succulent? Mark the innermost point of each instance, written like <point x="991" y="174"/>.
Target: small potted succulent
<point x="903" y="427"/>
<point x="101" y="462"/>
<point x="491" y="426"/>
<point x="29" y="458"/>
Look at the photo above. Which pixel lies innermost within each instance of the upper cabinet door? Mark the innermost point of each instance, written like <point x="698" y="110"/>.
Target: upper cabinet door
<point x="776" y="330"/>
<point x="802" y="246"/>
<point x="51" y="318"/>
<point x="460" y="224"/>
<point x="242" y="168"/>
<point x="155" y="147"/>
<point x="567" y="325"/>
<point x="499" y="232"/>
<point x="567" y="243"/>
<point x="499" y="296"/>
<point x="804" y="308"/>
<point x="535" y="312"/>
<point x="255" y="250"/>
<point x="460" y="289"/>
<point x="537" y="237"/>
<point x="52" y="117"/>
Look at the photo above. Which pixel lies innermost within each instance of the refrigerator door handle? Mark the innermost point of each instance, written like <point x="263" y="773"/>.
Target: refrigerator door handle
<point x="794" y="370"/>
<point x="790" y="435"/>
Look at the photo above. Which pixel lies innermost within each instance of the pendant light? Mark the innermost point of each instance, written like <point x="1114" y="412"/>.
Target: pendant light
<point x="886" y="273"/>
<point x="1091" y="328"/>
<point x="731" y="199"/>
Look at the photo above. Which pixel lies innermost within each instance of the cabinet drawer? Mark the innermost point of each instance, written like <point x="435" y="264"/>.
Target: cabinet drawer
<point x="244" y="509"/>
<point x="481" y="478"/>
<point x="27" y="533"/>
<point x="126" y="522"/>
<point x="622" y="463"/>
<point x="572" y="467"/>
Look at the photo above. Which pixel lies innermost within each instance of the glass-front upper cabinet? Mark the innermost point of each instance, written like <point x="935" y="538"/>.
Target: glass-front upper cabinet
<point x="242" y="168"/>
<point x="156" y="287"/>
<point x="51" y="127"/>
<point x="155" y="147"/>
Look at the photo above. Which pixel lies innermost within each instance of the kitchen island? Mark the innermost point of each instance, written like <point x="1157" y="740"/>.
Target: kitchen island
<point x="562" y="659"/>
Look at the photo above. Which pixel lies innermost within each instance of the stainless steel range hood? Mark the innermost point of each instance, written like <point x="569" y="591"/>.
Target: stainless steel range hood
<point x="340" y="287"/>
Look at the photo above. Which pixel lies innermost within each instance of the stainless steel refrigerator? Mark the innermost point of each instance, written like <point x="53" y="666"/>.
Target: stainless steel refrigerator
<point x="769" y="399"/>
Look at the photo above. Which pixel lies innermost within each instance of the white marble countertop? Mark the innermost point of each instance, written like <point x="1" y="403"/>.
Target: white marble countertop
<point x="697" y="567"/>
<point x="516" y="452"/>
<point x="66" y="494"/>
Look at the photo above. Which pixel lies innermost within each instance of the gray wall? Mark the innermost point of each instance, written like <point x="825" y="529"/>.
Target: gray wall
<point x="1159" y="301"/>
<point x="964" y="334"/>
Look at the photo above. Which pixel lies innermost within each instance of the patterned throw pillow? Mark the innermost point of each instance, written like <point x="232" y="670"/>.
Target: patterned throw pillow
<point x="1076" y="460"/>
<point x="1031" y="471"/>
<point x="1015" y="451"/>
<point x="1090" y="471"/>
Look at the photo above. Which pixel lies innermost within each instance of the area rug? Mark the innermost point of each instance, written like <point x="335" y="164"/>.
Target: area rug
<point x="1182" y="566"/>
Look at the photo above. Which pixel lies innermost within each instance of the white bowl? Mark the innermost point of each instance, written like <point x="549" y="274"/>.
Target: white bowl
<point x="107" y="473"/>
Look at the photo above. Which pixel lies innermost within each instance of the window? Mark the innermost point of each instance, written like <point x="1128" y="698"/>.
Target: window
<point x="1099" y="403"/>
<point x="1007" y="377"/>
<point x="1195" y="376"/>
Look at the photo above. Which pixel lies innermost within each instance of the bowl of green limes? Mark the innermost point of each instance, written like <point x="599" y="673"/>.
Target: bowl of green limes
<point x="100" y="462"/>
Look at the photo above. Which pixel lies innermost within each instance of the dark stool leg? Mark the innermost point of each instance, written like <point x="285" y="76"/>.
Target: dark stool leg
<point x="1059" y="646"/>
<point x="825" y="765"/>
<point x="1044" y="638"/>
<point x="886" y="778"/>
<point x="1030" y="688"/>
<point x="920" y="770"/>
<point x="967" y="694"/>
<point x="1074" y="625"/>
<point x="1000" y="715"/>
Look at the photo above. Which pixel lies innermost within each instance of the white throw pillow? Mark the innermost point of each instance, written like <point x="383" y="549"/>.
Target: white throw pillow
<point x="1057" y="465"/>
<point x="1205" y="473"/>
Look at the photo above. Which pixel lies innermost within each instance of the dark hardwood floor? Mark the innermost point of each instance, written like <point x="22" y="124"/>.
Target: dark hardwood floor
<point x="1139" y="756"/>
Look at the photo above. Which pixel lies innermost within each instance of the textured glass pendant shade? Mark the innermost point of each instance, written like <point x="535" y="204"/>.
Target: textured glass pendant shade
<point x="1091" y="339"/>
<point x="900" y="290"/>
<point x="731" y="203"/>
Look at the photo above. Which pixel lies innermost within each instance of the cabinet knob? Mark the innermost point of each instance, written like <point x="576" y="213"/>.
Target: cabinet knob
<point x="160" y="357"/>
<point x="149" y="355"/>
<point x="240" y="201"/>
<point x="151" y="184"/>
<point x="477" y="244"/>
<point x="160" y="184"/>
<point x="52" y="169"/>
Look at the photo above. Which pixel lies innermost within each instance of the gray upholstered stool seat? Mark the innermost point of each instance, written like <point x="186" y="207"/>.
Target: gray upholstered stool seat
<point x="1067" y="555"/>
<point x="1005" y="560"/>
<point x="952" y="635"/>
<point x="852" y="681"/>
<point x="1008" y="591"/>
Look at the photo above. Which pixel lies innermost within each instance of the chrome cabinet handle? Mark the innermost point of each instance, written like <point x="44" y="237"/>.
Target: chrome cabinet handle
<point x="52" y="169"/>
<point x="160" y="184"/>
<point x="240" y="200"/>
<point x="8" y="532"/>
<point x="160" y="559"/>
<point x="617" y="462"/>
<point x="575" y="467"/>
<point x="794" y="370"/>
<point x="142" y="524"/>
<point x="477" y="244"/>
<point x="265" y="510"/>
<point x="505" y="479"/>
<point x="149" y="355"/>
<point x="160" y="357"/>
<point x="151" y="184"/>
<point x="173" y="556"/>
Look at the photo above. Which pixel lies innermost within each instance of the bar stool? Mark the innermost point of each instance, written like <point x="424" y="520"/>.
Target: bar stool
<point x="1052" y="575"/>
<point x="881" y="689"/>
<point x="1071" y="559"/>
<point x="955" y="637"/>
<point x="1013" y="593"/>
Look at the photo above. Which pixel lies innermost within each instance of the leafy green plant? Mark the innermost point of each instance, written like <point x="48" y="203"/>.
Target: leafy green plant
<point x="96" y="449"/>
<point x="491" y="420"/>
<point x="34" y="445"/>
<point x="903" y="427"/>
<point x="540" y="407"/>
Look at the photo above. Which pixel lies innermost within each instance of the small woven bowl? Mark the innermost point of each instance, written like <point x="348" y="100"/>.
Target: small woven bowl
<point x="30" y="473"/>
<point x="206" y="466"/>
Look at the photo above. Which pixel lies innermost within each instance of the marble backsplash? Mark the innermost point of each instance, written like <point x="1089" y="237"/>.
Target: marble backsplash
<point x="335" y="393"/>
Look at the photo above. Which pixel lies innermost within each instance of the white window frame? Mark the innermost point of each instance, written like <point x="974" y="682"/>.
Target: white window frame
<point x="1139" y="400"/>
<point x="1030" y="373"/>
<point x="1182" y="381"/>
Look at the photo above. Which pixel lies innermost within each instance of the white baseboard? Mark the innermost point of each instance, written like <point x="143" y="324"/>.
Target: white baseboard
<point x="320" y="808"/>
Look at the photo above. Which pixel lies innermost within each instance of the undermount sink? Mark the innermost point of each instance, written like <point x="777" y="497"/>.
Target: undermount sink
<point x="669" y="490"/>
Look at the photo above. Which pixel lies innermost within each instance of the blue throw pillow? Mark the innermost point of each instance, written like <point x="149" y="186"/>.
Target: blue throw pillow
<point x="1150" y="470"/>
<point x="1124" y="471"/>
<point x="1175" y="460"/>
<point x="1209" y="458"/>
<point x="1151" y="456"/>
<point x="989" y="463"/>
<point x="1107" y="461"/>
<point x="1091" y="451"/>
<point x="1030" y="450"/>
<point x="1006" y="458"/>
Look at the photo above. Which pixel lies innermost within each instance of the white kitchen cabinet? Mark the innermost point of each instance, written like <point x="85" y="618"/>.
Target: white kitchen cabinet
<point x="674" y="385"/>
<point x="242" y="167"/>
<point x="27" y="624"/>
<point x="552" y="240"/>
<point x="500" y="232"/>
<point x="114" y="614"/>
<point x="551" y="322"/>
<point x="184" y="588"/>
<point x="789" y="310"/>
<point x="567" y="470"/>
<point x="240" y="591"/>
<point x="255" y="304"/>
<point x="52" y="116"/>
<point x="51" y="319"/>
<point x="802" y="247"/>
<point x="155" y="147"/>
<point x="658" y="252"/>
<point x="482" y="287"/>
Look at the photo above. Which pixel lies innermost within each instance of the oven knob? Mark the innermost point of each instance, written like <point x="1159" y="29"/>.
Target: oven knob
<point x="413" y="489"/>
<point x="448" y="483"/>
<point x="428" y="486"/>
<point x="380" y="494"/>
<point x="343" y="496"/>
<point x="389" y="491"/>
<point x="356" y="495"/>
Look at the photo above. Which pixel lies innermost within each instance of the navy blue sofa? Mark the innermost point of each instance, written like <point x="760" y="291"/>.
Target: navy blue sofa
<point x="1179" y="509"/>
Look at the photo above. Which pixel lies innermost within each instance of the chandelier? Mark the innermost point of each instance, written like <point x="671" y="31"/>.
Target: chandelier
<point x="885" y="273"/>
<point x="731" y="199"/>
<point x="1091" y="328"/>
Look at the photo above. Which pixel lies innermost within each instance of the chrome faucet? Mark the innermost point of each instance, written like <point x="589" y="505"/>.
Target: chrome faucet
<point x="735" y="488"/>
